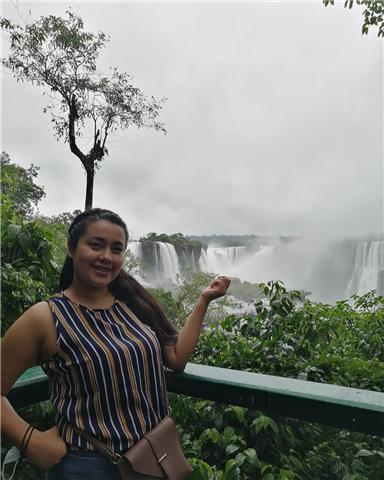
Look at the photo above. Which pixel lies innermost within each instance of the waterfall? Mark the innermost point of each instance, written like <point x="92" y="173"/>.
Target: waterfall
<point x="264" y="253"/>
<point x="193" y="261"/>
<point x="136" y="249"/>
<point x="161" y="263"/>
<point x="167" y="263"/>
<point x="203" y="261"/>
<point x="221" y="259"/>
<point x="368" y="273"/>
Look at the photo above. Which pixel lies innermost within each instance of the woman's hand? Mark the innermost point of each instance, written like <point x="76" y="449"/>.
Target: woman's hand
<point x="177" y="355"/>
<point x="46" y="449"/>
<point x="216" y="289"/>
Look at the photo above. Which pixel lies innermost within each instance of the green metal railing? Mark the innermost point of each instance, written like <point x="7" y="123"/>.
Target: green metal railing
<point x="350" y="408"/>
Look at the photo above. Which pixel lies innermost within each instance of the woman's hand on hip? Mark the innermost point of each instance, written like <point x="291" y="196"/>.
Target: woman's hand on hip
<point x="46" y="449"/>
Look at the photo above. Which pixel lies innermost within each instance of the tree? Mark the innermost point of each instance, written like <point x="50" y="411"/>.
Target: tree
<point x="29" y="271"/>
<point x="18" y="188"/>
<point x="58" y="54"/>
<point x="373" y="13"/>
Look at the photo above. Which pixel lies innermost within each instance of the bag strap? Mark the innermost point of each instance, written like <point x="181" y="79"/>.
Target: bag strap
<point x="100" y="447"/>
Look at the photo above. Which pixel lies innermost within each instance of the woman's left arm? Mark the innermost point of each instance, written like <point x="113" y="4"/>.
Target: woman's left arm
<point x="178" y="354"/>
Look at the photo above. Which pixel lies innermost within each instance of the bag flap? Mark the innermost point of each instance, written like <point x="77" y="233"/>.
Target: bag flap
<point x="166" y="445"/>
<point x="142" y="459"/>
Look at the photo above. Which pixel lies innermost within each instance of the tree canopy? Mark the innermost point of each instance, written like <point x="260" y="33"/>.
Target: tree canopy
<point x="18" y="189"/>
<point x="373" y="13"/>
<point x="29" y="248"/>
<point x="59" y="55"/>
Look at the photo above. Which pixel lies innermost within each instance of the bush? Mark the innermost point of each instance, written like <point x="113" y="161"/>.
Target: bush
<point x="337" y="344"/>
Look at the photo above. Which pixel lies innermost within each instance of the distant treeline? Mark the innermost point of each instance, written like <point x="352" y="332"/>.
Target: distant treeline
<point x="248" y="241"/>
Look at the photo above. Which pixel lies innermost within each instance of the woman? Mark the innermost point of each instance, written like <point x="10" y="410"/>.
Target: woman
<point x="103" y="341"/>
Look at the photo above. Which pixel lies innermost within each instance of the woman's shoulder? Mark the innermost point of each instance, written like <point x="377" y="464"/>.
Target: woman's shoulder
<point x="34" y="325"/>
<point x="37" y="316"/>
<point x="37" y="311"/>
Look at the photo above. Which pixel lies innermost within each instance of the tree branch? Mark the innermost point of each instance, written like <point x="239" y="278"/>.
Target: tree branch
<point x="72" y="135"/>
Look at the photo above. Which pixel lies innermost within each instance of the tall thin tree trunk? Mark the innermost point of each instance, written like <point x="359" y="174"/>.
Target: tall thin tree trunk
<point x="89" y="188"/>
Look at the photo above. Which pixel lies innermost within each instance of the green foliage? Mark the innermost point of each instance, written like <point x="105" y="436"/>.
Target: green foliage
<point x="29" y="272"/>
<point x="246" y="291"/>
<point x="64" y="218"/>
<point x="340" y="344"/>
<point x="179" y="302"/>
<point x="224" y="441"/>
<point x="176" y="239"/>
<point x="373" y="13"/>
<point x="18" y="190"/>
<point x="189" y="286"/>
<point x="29" y="248"/>
<point x="132" y="263"/>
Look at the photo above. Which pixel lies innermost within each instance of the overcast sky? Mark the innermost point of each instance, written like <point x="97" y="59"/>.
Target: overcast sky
<point x="274" y="120"/>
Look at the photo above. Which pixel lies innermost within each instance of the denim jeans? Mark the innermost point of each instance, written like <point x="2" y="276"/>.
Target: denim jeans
<point x="83" y="466"/>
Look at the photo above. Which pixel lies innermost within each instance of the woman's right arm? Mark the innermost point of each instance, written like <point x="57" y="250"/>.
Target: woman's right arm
<point x="23" y="345"/>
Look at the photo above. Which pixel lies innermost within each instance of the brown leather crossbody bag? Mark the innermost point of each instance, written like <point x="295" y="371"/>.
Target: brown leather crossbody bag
<point x="158" y="455"/>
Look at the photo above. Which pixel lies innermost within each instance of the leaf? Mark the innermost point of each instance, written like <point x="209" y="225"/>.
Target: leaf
<point x="285" y="474"/>
<point x="231" y="448"/>
<point x="13" y="230"/>
<point x="268" y="476"/>
<point x="265" y="467"/>
<point x="240" y="413"/>
<point x="258" y="424"/>
<point x="230" y="466"/>
<point x="252" y="457"/>
<point x="364" y="453"/>
<point x="213" y="435"/>
<point x="273" y="425"/>
<point x="240" y="459"/>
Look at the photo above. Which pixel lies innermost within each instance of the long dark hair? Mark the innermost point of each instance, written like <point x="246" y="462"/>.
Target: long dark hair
<point x="124" y="286"/>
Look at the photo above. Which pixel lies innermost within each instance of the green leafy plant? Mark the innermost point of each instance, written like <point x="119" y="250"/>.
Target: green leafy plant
<point x="373" y="13"/>
<point x="287" y="336"/>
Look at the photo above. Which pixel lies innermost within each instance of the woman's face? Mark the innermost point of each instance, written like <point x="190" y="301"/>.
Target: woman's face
<point x="99" y="254"/>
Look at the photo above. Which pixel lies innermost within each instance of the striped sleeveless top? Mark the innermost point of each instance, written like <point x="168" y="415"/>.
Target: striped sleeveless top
<point x="107" y="376"/>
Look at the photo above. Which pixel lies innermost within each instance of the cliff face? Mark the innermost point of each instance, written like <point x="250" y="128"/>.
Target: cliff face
<point x="188" y="256"/>
<point x="176" y="257"/>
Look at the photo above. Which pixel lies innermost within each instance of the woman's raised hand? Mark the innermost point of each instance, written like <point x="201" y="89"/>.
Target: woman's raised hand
<point x="216" y="289"/>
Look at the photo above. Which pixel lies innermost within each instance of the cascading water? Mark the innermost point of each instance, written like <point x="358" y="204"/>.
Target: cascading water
<point x="164" y="265"/>
<point x="167" y="263"/>
<point x="193" y="260"/>
<point x="326" y="272"/>
<point x="368" y="273"/>
<point x="203" y="261"/>
<point x="136" y="249"/>
<point x="221" y="259"/>
<point x="263" y="256"/>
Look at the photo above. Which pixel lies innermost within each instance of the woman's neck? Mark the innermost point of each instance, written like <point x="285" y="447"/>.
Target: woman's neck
<point x="91" y="298"/>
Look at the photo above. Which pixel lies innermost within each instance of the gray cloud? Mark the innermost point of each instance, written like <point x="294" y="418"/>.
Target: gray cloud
<point x="274" y="119"/>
